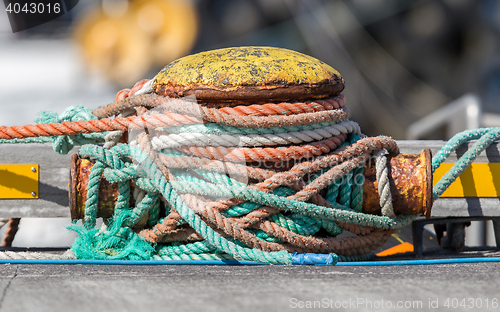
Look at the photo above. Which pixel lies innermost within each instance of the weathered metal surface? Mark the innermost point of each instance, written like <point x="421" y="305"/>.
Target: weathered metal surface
<point x="459" y="207"/>
<point x="78" y="186"/>
<point x="410" y="180"/>
<point x="248" y="74"/>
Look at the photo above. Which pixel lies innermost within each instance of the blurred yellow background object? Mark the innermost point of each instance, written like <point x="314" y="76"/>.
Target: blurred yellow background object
<point x="124" y="40"/>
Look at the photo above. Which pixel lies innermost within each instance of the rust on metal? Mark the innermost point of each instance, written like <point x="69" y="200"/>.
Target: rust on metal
<point x="410" y="180"/>
<point x="78" y="183"/>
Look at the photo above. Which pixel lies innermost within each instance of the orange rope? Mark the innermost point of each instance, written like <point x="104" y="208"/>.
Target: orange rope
<point x="90" y="126"/>
<point x="286" y="108"/>
<point x="174" y="112"/>
<point x="10" y="233"/>
<point x="125" y="93"/>
<point x="126" y="100"/>
<point x="225" y="160"/>
<point x="156" y="120"/>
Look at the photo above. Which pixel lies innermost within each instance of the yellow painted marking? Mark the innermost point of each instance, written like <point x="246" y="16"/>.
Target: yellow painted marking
<point x="247" y="66"/>
<point x="19" y="181"/>
<point x="398" y="238"/>
<point x="479" y="180"/>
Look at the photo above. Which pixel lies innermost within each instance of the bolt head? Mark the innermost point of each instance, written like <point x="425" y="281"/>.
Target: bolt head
<point x="33" y="169"/>
<point x="33" y="194"/>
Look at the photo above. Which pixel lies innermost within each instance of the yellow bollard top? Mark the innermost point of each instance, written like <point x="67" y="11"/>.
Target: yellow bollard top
<point x="248" y="75"/>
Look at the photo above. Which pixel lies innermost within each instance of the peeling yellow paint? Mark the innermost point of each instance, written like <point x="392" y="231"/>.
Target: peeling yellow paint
<point x="245" y="66"/>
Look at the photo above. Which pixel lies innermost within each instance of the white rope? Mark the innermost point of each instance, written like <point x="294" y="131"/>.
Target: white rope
<point x="146" y="88"/>
<point x="252" y="140"/>
<point x="113" y="137"/>
<point x="138" y="195"/>
<point x="384" y="189"/>
<point x="35" y="255"/>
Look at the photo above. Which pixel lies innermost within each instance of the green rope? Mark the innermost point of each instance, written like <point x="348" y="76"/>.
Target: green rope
<point x="357" y="190"/>
<point x="485" y="138"/>
<point x="193" y="248"/>
<point x="186" y="213"/>
<point x="119" y="239"/>
<point x="243" y="193"/>
<point x="348" y="189"/>
<point x="296" y="223"/>
<point x="123" y="163"/>
<point x="304" y="219"/>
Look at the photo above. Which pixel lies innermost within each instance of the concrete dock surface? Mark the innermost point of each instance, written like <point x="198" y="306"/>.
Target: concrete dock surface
<point x="54" y="288"/>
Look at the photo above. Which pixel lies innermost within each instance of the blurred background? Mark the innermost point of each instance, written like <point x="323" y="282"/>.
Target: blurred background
<point x="415" y="69"/>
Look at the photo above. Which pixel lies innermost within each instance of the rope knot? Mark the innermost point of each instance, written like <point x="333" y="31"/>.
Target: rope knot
<point x="63" y="144"/>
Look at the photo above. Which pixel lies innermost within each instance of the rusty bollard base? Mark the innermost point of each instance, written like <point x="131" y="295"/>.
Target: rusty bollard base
<point x="410" y="180"/>
<point x="78" y="183"/>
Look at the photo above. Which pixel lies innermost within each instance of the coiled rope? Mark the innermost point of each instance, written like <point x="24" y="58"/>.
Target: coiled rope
<point x="273" y="183"/>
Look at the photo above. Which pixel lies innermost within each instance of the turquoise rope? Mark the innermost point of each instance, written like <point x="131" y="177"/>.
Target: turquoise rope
<point x="263" y="198"/>
<point x="118" y="241"/>
<point x="198" y="225"/>
<point x="290" y="205"/>
<point x="485" y="136"/>
<point x="348" y="189"/>
<point x="148" y="204"/>
<point x="187" y="214"/>
<point x="212" y="184"/>
<point x="357" y="190"/>
<point x="194" y="257"/>
<point x="92" y="195"/>
<point x="454" y="143"/>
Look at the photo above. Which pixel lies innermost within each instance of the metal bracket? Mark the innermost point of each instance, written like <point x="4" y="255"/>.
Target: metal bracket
<point x="418" y="229"/>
